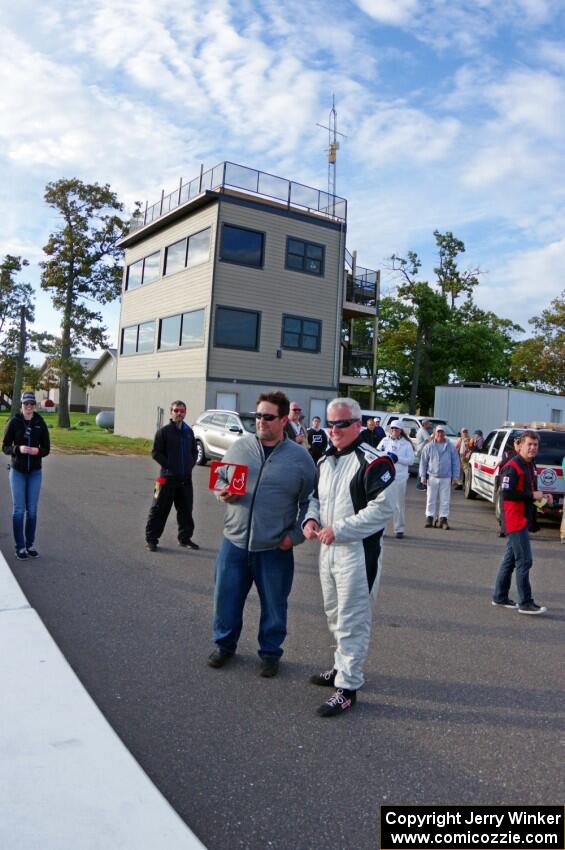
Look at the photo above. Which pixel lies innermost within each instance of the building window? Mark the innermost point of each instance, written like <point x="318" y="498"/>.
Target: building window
<point x="175" y="257"/>
<point x="199" y="248"/>
<point x="191" y="251"/>
<point x="301" y="334"/>
<point x="192" y="334"/>
<point x="186" y="330"/>
<point x="169" y="332"/>
<point x="236" y="328"/>
<point x="138" y="339"/>
<point x="242" y="246"/>
<point x="143" y="271"/>
<point x="304" y="256"/>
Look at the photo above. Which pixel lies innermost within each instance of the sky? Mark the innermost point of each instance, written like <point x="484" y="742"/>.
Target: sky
<point x="453" y="112"/>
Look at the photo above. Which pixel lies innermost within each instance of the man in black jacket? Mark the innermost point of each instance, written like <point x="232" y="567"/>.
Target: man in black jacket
<point x="174" y="448"/>
<point x="317" y="440"/>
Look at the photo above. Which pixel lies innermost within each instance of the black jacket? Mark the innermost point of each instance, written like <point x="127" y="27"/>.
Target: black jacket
<point x="175" y="450"/>
<point x="21" y="433"/>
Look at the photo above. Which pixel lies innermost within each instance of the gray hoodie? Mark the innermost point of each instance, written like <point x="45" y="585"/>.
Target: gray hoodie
<point x="277" y="494"/>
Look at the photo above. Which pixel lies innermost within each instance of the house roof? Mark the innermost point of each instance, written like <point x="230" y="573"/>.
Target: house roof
<point x="108" y="354"/>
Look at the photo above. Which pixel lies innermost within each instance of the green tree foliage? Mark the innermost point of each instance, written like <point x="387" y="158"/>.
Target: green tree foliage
<point x="540" y="360"/>
<point x="433" y="332"/>
<point x="16" y="311"/>
<point x="83" y="266"/>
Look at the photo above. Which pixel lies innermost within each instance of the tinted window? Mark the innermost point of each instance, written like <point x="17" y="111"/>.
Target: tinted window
<point x="236" y="328"/>
<point x="193" y="329"/>
<point x="448" y="429"/>
<point x="175" y="257"/>
<point x="146" y="337"/>
<point x="151" y="268"/>
<point x="497" y="442"/>
<point x="248" y="422"/>
<point x="233" y="422"/>
<point x="304" y="256"/>
<point x="488" y="442"/>
<point x="199" y="248"/>
<point x="552" y="448"/>
<point x="241" y="246"/>
<point x="301" y="334"/>
<point x="135" y="275"/>
<point x="169" y="332"/>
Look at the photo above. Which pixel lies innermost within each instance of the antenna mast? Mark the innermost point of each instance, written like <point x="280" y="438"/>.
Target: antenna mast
<point x="333" y="147"/>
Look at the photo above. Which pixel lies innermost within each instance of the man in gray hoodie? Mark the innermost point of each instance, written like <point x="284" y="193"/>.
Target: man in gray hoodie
<point x="439" y="468"/>
<point x="261" y="528"/>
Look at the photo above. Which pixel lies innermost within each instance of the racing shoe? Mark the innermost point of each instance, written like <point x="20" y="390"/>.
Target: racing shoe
<point x="531" y="608"/>
<point x="339" y="702"/>
<point x="429" y="522"/>
<point x="325" y="679"/>
<point x="443" y="523"/>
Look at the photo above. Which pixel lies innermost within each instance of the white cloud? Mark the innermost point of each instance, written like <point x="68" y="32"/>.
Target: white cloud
<point x="398" y="134"/>
<point x="396" y="12"/>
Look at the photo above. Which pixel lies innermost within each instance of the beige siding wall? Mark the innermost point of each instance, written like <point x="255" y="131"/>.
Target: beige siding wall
<point x="138" y="403"/>
<point x="102" y="395"/>
<point x="177" y="293"/>
<point x="274" y="291"/>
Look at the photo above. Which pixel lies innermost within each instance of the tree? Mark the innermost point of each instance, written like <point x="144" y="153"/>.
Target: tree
<point x="16" y="311"/>
<point x="83" y="265"/>
<point x="540" y="360"/>
<point x="451" y="281"/>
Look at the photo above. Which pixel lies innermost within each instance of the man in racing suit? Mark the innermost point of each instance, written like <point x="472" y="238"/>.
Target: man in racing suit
<point x="347" y="514"/>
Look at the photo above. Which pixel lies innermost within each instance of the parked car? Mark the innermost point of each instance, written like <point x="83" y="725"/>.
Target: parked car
<point x="411" y="424"/>
<point x="216" y="430"/>
<point x="483" y="478"/>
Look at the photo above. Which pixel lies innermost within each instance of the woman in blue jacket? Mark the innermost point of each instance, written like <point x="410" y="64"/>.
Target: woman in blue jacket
<point x="26" y="440"/>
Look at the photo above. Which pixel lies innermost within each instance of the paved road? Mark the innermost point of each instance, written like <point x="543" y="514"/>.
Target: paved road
<point x="464" y="702"/>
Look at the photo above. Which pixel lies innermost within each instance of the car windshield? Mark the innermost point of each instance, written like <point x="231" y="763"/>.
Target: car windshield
<point x="552" y="448"/>
<point x="248" y="422"/>
<point x="449" y="432"/>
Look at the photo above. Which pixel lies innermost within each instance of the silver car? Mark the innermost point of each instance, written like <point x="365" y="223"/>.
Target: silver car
<point x="216" y="430"/>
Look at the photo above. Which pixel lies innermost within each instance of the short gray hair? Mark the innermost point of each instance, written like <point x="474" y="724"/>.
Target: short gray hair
<point x="353" y="406"/>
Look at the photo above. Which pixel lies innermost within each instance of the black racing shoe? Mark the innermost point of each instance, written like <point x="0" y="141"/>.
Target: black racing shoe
<point x="151" y="546"/>
<point x="429" y="522"/>
<point x="32" y="552"/>
<point x="506" y="603"/>
<point x="443" y="523"/>
<point x="269" y="667"/>
<point x="21" y="554"/>
<point x="325" y="679"/>
<point x="531" y="608"/>
<point x="190" y="544"/>
<point x="219" y="658"/>
<point x="339" y="702"/>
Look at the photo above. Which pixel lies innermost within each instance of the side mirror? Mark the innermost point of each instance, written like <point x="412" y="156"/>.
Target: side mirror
<point x="235" y="429"/>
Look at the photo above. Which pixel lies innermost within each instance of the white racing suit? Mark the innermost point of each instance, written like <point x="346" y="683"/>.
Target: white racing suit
<point x="355" y="495"/>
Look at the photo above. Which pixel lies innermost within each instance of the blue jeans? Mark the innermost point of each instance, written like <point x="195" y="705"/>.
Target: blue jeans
<point x="236" y="570"/>
<point x="518" y="556"/>
<point x="25" y="488"/>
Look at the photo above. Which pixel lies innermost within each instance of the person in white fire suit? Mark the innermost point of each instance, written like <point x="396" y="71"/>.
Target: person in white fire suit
<point x="347" y="513"/>
<point x="400" y="445"/>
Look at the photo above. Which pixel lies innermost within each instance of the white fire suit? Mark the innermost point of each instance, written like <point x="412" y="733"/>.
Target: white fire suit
<point x="355" y="496"/>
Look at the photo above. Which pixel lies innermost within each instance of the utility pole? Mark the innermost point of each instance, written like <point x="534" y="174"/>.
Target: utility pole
<point x="376" y="340"/>
<point x="20" y="361"/>
<point x="333" y="147"/>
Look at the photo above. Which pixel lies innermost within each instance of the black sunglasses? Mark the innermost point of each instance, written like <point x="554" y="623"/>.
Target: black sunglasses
<point x="268" y="417"/>
<point x="341" y="423"/>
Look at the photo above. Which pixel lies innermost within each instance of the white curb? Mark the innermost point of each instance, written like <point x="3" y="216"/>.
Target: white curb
<point x="68" y="782"/>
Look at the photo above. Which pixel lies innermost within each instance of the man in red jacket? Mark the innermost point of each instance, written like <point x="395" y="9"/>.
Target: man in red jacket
<point x="519" y="493"/>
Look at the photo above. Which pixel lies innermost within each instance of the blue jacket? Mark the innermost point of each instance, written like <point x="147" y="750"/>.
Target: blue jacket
<point x="440" y="460"/>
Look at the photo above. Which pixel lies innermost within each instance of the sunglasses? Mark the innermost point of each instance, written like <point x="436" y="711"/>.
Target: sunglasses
<point x="296" y="410"/>
<point x="341" y="423"/>
<point x="28" y="404"/>
<point x="268" y="417"/>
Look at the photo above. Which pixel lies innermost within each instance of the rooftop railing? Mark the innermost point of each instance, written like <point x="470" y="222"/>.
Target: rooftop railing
<point x="229" y="175"/>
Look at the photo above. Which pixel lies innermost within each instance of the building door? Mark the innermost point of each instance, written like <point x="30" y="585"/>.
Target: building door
<point x="226" y="401"/>
<point x="317" y="408"/>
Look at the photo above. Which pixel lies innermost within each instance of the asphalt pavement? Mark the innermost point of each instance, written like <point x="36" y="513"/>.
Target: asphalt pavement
<point x="463" y="702"/>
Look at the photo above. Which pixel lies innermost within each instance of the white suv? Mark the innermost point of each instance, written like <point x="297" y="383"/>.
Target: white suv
<point x="483" y="478"/>
<point x="216" y="430"/>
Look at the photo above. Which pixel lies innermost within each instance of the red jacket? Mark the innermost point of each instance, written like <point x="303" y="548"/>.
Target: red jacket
<point x="517" y="485"/>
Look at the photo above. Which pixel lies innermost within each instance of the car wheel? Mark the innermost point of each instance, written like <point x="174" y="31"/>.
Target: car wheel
<point x="468" y="486"/>
<point x="498" y="504"/>
<point x="201" y="458"/>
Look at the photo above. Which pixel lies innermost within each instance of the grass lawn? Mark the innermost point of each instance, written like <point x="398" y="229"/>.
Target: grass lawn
<point x="87" y="438"/>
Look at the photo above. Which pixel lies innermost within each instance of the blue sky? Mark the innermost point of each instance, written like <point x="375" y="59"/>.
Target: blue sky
<point x="454" y="112"/>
